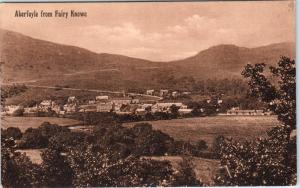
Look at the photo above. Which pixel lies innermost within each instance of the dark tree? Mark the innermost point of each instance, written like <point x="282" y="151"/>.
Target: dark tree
<point x="11" y="132"/>
<point x="185" y="175"/>
<point x="267" y="161"/>
<point x="33" y="139"/>
<point x="174" y="111"/>
<point x="16" y="169"/>
<point x="281" y="96"/>
<point x="55" y="169"/>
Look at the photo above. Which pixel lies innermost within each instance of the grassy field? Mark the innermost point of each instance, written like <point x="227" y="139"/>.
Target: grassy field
<point x="207" y="128"/>
<point x="205" y="169"/>
<point x="26" y="122"/>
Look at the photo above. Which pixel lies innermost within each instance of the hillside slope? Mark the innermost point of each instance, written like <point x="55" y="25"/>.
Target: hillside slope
<point x="28" y="59"/>
<point x="229" y="60"/>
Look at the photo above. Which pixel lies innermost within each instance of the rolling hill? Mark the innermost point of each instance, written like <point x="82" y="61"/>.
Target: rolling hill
<point x="28" y="59"/>
<point x="228" y="60"/>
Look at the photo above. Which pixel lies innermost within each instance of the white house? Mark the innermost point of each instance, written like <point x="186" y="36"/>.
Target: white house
<point x="186" y="93"/>
<point x="72" y="99"/>
<point x="246" y="112"/>
<point x="144" y="106"/>
<point x="70" y="108"/>
<point x="45" y="105"/>
<point x="92" y="101"/>
<point x="175" y="94"/>
<point x="105" y="107"/>
<point x="140" y="111"/>
<point x="163" y="92"/>
<point x="165" y="107"/>
<point x="119" y="102"/>
<point x="12" y="109"/>
<point x="31" y="110"/>
<point x="150" y="91"/>
<point x="184" y="111"/>
<point x="135" y="101"/>
<point x="101" y="97"/>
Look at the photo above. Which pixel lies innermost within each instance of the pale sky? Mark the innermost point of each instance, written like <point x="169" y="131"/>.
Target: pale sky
<point x="158" y="31"/>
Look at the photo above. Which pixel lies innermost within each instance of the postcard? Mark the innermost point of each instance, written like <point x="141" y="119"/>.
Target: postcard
<point x="148" y="94"/>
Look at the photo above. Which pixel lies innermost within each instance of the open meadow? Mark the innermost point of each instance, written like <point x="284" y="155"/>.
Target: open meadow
<point x="208" y="128"/>
<point x="24" y="123"/>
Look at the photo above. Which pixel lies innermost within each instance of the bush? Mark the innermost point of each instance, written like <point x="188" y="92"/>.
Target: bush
<point x="217" y="146"/>
<point x="17" y="170"/>
<point x="56" y="171"/>
<point x="96" y="168"/>
<point x="256" y="163"/>
<point x="48" y="130"/>
<point x="185" y="176"/>
<point x="201" y="145"/>
<point x="11" y="132"/>
<point x="33" y="139"/>
<point x="150" y="142"/>
<point x="39" y="138"/>
<point x="63" y="140"/>
<point x="19" y="112"/>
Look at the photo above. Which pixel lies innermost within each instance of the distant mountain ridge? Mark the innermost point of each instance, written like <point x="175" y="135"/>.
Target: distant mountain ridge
<point x="26" y="58"/>
<point x="226" y="60"/>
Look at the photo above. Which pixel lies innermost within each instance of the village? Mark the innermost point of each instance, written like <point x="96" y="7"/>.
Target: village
<point x="126" y="104"/>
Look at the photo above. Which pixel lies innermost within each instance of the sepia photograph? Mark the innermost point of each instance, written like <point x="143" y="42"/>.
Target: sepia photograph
<point x="148" y="94"/>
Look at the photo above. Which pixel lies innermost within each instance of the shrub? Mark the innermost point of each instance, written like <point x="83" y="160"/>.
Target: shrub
<point x="18" y="112"/>
<point x="39" y="138"/>
<point x="217" y="146"/>
<point x="256" y="163"/>
<point x="17" y="170"/>
<point x="33" y="139"/>
<point x="11" y="132"/>
<point x="201" y="145"/>
<point x="64" y="140"/>
<point x="185" y="176"/>
<point x="95" y="168"/>
<point x="48" y="130"/>
<point x="56" y="172"/>
<point x="149" y="141"/>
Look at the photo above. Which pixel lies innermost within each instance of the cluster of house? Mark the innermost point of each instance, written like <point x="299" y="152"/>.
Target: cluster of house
<point x="129" y="106"/>
<point x="72" y="105"/>
<point x="165" y="92"/>
<point x="237" y="111"/>
<point x="122" y="105"/>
